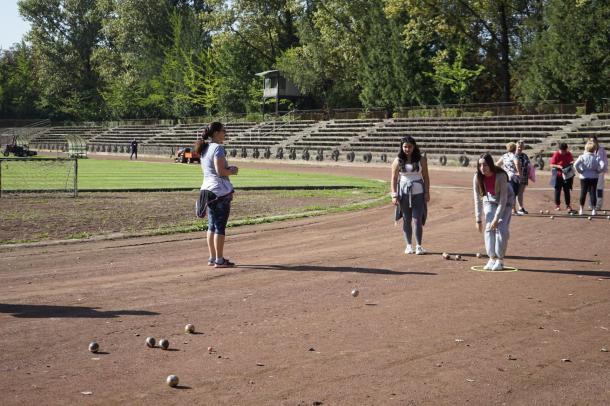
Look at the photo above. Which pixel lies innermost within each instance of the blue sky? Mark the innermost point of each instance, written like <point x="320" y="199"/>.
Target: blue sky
<point x="12" y="25"/>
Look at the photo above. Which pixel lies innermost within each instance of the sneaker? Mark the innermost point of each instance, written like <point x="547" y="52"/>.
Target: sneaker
<point x="594" y="212"/>
<point x="580" y="211"/>
<point x="557" y="208"/>
<point x="409" y="249"/>
<point x="211" y="261"/>
<point x="224" y="264"/>
<point x="498" y="266"/>
<point x="524" y="211"/>
<point x="490" y="264"/>
<point x="419" y="250"/>
<point x="520" y="213"/>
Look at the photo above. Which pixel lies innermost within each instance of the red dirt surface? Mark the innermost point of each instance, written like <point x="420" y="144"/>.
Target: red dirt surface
<point x="285" y="330"/>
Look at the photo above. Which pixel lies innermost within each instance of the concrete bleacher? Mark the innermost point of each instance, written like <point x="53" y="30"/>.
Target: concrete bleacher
<point x="599" y="126"/>
<point x="334" y="134"/>
<point x="268" y="135"/>
<point x="183" y="135"/>
<point x="56" y="137"/>
<point x="462" y="136"/>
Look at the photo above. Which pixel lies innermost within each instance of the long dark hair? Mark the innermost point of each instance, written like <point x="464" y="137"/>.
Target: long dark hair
<point x="201" y="146"/>
<point x="415" y="155"/>
<point x="492" y="167"/>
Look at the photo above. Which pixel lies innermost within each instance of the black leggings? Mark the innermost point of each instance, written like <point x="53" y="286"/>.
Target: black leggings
<point x="588" y="185"/>
<point x="566" y="185"/>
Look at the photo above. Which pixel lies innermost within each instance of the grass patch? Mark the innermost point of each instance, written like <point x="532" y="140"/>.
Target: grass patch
<point x="98" y="174"/>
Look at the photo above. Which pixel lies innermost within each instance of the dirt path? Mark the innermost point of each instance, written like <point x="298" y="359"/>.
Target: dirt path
<point x="422" y="331"/>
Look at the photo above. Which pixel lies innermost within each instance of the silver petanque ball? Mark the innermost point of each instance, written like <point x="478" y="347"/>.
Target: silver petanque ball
<point x="189" y="329"/>
<point x="172" y="380"/>
<point x="150" y="341"/>
<point x="355" y="292"/>
<point x="94" y="347"/>
<point x="164" y="344"/>
<point x="479" y="255"/>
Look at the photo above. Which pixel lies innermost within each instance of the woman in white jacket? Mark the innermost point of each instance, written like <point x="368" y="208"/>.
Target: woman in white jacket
<point x="494" y="198"/>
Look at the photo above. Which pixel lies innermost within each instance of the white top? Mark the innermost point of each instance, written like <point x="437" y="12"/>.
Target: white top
<point x="219" y="185"/>
<point x="408" y="175"/>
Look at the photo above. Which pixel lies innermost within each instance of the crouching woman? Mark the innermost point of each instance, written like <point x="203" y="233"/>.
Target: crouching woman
<point x="493" y="197"/>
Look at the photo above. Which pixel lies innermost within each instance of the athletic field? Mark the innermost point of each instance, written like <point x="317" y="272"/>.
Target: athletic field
<point x="282" y="327"/>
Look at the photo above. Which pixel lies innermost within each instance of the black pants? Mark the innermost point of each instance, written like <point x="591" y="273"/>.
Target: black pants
<point x="566" y="185"/>
<point x="134" y="152"/>
<point x="588" y="185"/>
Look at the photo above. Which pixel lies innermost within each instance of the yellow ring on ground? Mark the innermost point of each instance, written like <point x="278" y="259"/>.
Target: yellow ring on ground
<point x="479" y="268"/>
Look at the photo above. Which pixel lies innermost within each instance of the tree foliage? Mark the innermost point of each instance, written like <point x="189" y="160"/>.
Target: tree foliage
<point x="108" y="59"/>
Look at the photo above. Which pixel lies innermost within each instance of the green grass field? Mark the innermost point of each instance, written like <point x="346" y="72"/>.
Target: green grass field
<point x="94" y="174"/>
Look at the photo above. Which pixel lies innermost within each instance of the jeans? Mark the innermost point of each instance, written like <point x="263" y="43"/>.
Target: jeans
<point x="496" y="241"/>
<point x="218" y="214"/>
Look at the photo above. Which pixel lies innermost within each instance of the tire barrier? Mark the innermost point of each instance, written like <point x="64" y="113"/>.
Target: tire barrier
<point x="293" y="154"/>
<point x="464" y="161"/>
<point x="383" y="157"/>
<point x="267" y="153"/>
<point x="539" y="162"/>
<point x="305" y="154"/>
<point x="320" y="155"/>
<point x="350" y="156"/>
<point x="443" y="160"/>
<point x="367" y="157"/>
<point x="279" y="154"/>
<point x="256" y="154"/>
<point x="335" y="155"/>
<point x="233" y="152"/>
<point x="244" y="152"/>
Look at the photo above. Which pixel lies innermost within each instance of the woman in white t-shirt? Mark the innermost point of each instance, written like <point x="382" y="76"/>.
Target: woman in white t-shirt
<point x="217" y="190"/>
<point x="512" y="167"/>
<point x="410" y="185"/>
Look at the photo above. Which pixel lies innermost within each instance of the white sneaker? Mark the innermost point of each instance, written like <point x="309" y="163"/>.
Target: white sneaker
<point x="419" y="250"/>
<point x="409" y="249"/>
<point x="593" y="212"/>
<point x="580" y="211"/>
<point x="490" y="264"/>
<point x="498" y="266"/>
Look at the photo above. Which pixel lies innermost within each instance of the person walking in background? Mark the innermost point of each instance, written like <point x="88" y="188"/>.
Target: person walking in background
<point x="410" y="192"/>
<point x="524" y="169"/>
<point x="511" y="166"/>
<point x="601" y="181"/>
<point x="216" y="191"/>
<point x="561" y="160"/>
<point x="589" y="166"/>
<point x="133" y="146"/>
<point x="493" y="198"/>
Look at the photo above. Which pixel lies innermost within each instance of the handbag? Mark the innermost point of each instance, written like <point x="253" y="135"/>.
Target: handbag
<point x="568" y="172"/>
<point x="531" y="173"/>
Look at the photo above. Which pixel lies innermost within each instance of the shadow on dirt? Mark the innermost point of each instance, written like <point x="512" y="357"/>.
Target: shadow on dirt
<point x="529" y="257"/>
<point x="598" y="274"/>
<point x="317" y="268"/>
<point x="40" y="311"/>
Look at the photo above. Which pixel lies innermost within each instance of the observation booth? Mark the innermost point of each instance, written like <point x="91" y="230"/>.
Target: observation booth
<point x="276" y="86"/>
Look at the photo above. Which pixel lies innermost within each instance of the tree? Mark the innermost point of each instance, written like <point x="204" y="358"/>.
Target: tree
<point x="494" y="30"/>
<point x="64" y="35"/>
<point x="569" y="60"/>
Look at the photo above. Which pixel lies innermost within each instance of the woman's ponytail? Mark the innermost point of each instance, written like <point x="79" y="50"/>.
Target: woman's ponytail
<point x="201" y="145"/>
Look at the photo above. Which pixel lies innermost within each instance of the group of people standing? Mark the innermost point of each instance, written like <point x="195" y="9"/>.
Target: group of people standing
<point x="498" y="188"/>
<point x="591" y="167"/>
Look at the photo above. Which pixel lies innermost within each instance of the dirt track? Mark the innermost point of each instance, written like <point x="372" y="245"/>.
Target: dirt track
<point x="423" y="330"/>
